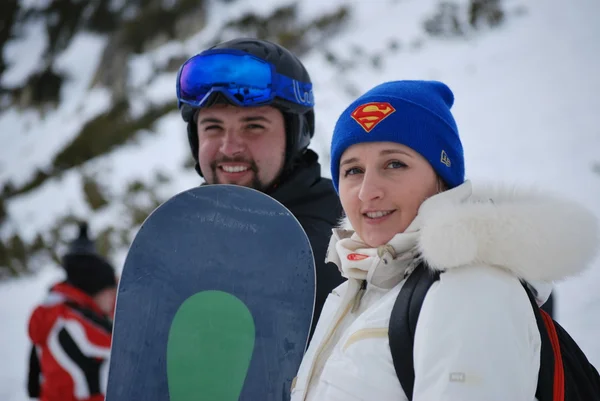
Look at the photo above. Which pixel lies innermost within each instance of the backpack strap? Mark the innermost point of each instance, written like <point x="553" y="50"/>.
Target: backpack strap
<point x="559" y="372"/>
<point x="403" y="323"/>
<point x="551" y="378"/>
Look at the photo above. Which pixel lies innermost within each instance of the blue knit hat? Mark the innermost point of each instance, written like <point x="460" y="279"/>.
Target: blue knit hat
<point x="413" y="113"/>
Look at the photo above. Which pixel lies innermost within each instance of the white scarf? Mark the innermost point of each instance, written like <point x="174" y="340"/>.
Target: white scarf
<point x="356" y="260"/>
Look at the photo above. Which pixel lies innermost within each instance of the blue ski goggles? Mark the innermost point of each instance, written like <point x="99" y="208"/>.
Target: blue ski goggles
<point x="244" y="79"/>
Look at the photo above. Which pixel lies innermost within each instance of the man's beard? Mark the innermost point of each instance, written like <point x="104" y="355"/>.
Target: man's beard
<point x="255" y="183"/>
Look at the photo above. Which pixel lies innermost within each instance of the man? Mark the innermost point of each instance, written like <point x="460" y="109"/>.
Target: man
<point x="248" y="105"/>
<point x="71" y="330"/>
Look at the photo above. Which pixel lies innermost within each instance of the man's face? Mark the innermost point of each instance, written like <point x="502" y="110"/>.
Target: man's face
<point x="106" y="300"/>
<point x="241" y="145"/>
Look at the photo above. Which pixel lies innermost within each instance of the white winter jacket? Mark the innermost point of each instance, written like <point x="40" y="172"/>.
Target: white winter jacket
<point x="476" y="337"/>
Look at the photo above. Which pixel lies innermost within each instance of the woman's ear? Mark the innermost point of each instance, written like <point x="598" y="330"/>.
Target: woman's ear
<point x="441" y="185"/>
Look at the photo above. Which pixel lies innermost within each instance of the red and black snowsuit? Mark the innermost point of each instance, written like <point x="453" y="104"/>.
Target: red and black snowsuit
<point x="71" y="340"/>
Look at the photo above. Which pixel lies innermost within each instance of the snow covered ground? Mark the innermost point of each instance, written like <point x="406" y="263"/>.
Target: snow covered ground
<point x="526" y="105"/>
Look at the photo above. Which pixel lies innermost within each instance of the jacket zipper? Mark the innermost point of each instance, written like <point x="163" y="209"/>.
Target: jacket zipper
<point x="330" y="334"/>
<point x="359" y="296"/>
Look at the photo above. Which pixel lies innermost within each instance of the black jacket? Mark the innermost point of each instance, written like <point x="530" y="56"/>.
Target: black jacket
<point x="314" y="202"/>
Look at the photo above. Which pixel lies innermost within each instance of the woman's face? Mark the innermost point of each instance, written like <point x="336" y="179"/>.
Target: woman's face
<point x="382" y="185"/>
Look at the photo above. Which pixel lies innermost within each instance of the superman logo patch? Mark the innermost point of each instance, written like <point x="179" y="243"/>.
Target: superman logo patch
<point x="368" y="115"/>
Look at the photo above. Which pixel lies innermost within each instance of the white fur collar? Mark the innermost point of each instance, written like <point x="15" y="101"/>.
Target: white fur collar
<point x="537" y="236"/>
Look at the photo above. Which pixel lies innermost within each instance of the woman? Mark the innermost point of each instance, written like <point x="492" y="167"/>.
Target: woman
<point x="397" y="164"/>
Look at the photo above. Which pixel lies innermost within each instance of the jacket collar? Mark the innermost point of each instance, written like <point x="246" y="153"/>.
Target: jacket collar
<point x="75" y="295"/>
<point x="294" y="186"/>
<point x="538" y="236"/>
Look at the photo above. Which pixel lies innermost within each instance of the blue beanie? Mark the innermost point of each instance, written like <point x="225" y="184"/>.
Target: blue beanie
<point x="413" y="113"/>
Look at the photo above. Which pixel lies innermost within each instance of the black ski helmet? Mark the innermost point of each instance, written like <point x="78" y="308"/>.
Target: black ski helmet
<point x="299" y="120"/>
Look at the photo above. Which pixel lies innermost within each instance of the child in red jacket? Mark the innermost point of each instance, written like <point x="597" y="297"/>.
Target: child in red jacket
<point x="71" y="330"/>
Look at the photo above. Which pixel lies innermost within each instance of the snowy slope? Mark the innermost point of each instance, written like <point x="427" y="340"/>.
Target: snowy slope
<point x="526" y="105"/>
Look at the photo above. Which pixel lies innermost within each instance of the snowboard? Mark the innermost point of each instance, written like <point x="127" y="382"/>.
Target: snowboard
<point x="215" y="301"/>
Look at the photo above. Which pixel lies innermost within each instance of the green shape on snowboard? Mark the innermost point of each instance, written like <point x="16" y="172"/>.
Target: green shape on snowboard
<point x="210" y="345"/>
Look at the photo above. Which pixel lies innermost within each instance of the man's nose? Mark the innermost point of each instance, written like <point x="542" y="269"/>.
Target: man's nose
<point x="232" y="144"/>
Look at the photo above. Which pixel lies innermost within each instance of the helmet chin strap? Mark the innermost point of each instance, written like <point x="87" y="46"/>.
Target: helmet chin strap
<point x="193" y="141"/>
<point x="197" y="168"/>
